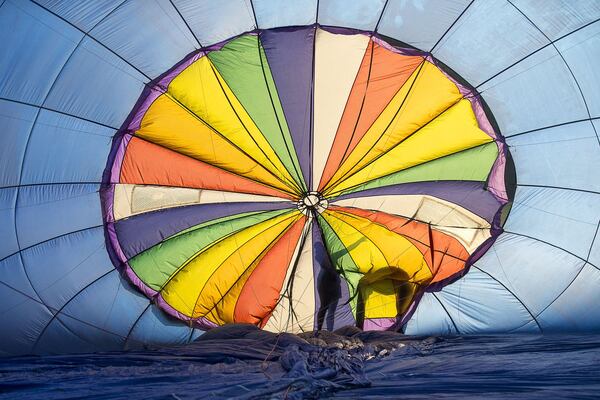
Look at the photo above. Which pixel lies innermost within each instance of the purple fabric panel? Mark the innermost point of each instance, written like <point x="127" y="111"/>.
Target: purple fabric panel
<point x="411" y="310"/>
<point x="133" y="278"/>
<point x="403" y="50"/>
<point x="136" y="121"/>
<point x="165" y="81"/>
<point x="120" y="261"/>
<point x="468" y="194"/>
<point x="152" y="93"/>
<point x="332" y="306"/>
<point x="289" y="54"/>
<point x="115" y="171"/>
<point x="107" y="194"/>
<point x="340" y="30"/>
<point x="379" y="324"/>
<point x="111" y="233"/>
<point x="496" y="183"/>
<point x="140" y="232"/>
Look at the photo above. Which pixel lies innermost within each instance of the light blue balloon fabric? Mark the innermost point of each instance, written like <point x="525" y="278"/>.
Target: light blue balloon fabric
<point x="71" y="72"/>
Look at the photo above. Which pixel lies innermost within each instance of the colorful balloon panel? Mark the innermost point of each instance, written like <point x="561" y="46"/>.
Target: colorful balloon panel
<point x="219" y="133"/>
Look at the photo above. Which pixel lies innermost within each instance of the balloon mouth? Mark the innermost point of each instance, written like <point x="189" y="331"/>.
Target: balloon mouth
<point x="312" y="201"/>
<point x="172" y="189"/>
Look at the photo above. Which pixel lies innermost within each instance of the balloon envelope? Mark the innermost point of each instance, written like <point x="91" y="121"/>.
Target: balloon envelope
<point x="168" y="167"/>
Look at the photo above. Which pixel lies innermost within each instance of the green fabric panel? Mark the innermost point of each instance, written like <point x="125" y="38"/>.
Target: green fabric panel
<point x="157" y="264"/>
<point x="341" y="260"/>
<point x="212" y="222"/>
<point x="247" y="73"/>
<point x="468" y="165"/>
<point x="284" y="130"/>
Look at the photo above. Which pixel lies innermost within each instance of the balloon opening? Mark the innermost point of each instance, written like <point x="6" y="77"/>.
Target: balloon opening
<point x="401" y="199"/>
<point x="312" y="201"/>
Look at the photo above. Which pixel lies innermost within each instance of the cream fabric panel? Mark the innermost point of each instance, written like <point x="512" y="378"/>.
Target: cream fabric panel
<point x="337" y="60"/>
<point x="302" y="298"/>
<point x="468" y="228"/>
<point x="136" y="199"/>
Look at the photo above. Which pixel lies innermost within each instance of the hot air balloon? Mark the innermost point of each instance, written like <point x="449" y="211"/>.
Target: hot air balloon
<point x="173" y="166"/>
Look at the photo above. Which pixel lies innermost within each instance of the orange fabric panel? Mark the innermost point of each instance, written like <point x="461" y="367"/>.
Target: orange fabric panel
<point x="259" y="296"/>
<point x="385" y="74"/>
<point x="449" y="255"/>
<point x="146" y="163"/>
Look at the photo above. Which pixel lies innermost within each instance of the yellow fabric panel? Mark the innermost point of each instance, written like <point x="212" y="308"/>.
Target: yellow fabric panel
<point x="424" y="95"/>
<point x="455" y="130"/>
<point x="169" y="125"/>
<point x="380" y="299"/>
<point x="201" y="88"/>
<point x="231" y="256"/>
<point x="365" y="254"/>
<point x="224" y="287"/>
<point x="377" y="251"/>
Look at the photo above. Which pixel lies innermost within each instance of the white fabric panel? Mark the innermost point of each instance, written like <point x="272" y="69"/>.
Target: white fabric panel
<point x="559" y="17"/>
<point x="565" y="156"/>
<point x="65" y="149"/>
<point x="478" y="304"/>
<point x="136" y="199"/>
<point x="215" y="21"/>
<point x="21" y="306"/>
<point x="35" y="46"/>
<point x="275" y="13"/>
<point x="47" y="211"/>
<point x="429" y="319"/>
<point x="581" y="51"/>
<point x="84" y="14"/>
<point x="534" y="271"/>
<point x="8" y="238"/>
<point x="420" y="23"/>
<point x="468" y="228"/>
<point x="147" y="33"/>
<point x="489" y="37"/>
<point x="302" y="297"/>
<point x="102" y="314"/>
<point x="60" y="268"/>
<point x="359" y="14"/>
<point x="16" y="122"/>
<point x="97" y="85"/>
<point x="577" y="309"/>
<point x="563" y="218"/>
<point x="337" y="60"/>
<point x="537" y="92"/>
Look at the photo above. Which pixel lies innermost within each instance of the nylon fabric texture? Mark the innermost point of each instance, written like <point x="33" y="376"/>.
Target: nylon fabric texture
<point x="390" y="165"/>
